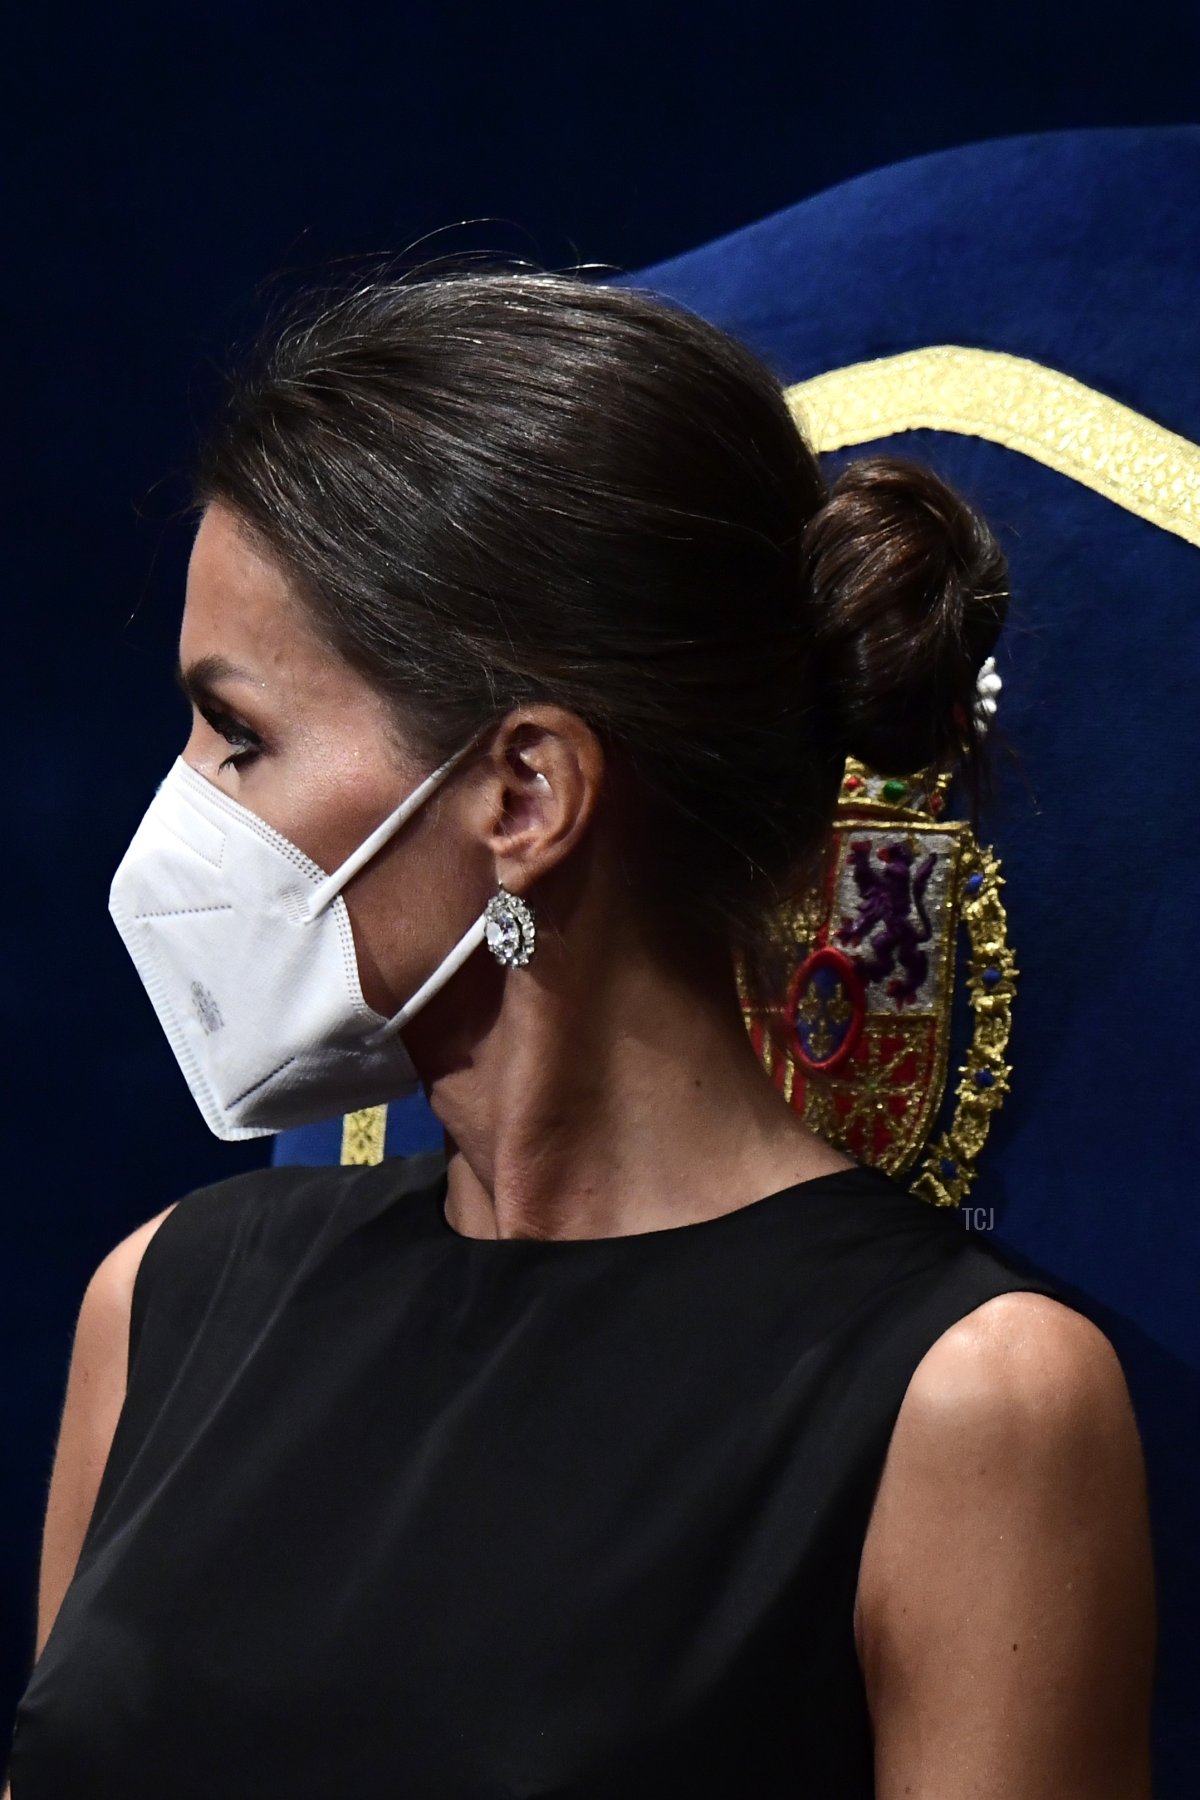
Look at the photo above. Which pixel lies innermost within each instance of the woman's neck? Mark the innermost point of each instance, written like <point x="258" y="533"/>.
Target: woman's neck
<point x="614" y="1091"/>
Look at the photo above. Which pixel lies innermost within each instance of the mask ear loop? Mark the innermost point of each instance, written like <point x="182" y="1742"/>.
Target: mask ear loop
<point x="468" y="942"/>
<point x="332" y="886"/>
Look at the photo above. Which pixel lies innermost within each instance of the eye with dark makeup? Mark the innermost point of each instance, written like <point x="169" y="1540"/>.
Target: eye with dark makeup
<point x="248" y="742"/>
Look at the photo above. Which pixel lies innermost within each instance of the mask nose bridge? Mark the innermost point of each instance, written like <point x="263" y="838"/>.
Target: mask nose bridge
<point x="333" y="884"/>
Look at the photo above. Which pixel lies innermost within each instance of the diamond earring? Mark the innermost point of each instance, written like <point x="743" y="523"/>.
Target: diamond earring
<point x="510" y="929"/>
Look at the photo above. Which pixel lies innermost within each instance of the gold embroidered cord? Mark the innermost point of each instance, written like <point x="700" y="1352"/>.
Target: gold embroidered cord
<point x="363" y="1134"/>
<point x="1023" y="405"/>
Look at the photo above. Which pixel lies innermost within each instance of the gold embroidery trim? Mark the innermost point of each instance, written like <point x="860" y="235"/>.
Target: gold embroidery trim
<point x="1023" y="405"/>
<point x="363" y="1134"/>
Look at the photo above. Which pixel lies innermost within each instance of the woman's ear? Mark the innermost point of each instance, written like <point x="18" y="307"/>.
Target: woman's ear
<point x="553" y="771"/>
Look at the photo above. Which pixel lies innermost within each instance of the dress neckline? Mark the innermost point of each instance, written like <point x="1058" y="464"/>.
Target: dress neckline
<point x="832" y="1183"/>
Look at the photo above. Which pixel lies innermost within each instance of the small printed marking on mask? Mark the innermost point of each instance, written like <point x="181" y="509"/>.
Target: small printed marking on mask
<point x="205" y="1008"/>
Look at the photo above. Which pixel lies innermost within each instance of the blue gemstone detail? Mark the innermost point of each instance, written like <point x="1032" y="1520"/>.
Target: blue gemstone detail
<point x="984" y="1078"/>
<point x="949" y="1168"/>
<point x="990" y="977"/>
<point x="974" y="883"/>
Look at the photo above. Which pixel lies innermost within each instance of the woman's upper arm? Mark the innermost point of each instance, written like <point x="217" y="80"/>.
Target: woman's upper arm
<point x="94" y="1397"/>
<point x="1007" y="1612"/>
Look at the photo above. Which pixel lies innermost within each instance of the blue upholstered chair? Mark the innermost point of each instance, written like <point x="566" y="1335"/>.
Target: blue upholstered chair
<point x="1024" y="315"/>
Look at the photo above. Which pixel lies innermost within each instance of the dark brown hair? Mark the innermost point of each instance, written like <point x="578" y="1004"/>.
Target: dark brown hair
<point x="493" y="486"/>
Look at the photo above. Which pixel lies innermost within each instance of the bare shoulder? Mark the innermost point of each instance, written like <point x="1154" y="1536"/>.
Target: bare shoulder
<point x="1008" y="1555"/>
<point x="1018" y="1357"/>
<point x="109" y="1294"/>
<point x="95" y="1394"/>
<point x="1021" y="1393"/>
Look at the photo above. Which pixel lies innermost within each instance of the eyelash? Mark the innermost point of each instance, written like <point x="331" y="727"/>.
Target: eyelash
<point x="233" y="733"/>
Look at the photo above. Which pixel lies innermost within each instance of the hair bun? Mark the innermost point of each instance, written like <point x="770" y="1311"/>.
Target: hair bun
<point x="908" y="587"/>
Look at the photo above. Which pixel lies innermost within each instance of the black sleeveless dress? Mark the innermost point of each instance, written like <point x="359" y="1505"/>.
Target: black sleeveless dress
<point x="396" y="1514"/>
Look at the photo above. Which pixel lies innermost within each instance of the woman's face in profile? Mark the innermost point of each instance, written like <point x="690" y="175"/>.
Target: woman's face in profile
<point x="291" y="730"/>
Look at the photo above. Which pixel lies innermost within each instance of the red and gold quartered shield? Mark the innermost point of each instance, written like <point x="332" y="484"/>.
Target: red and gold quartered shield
<point x="850" y="1005"/>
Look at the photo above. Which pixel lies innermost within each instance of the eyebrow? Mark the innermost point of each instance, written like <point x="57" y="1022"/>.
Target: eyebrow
<point x="196" y="681"/>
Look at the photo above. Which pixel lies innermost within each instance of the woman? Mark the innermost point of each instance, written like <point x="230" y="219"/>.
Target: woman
<point x="644" y="1444"/>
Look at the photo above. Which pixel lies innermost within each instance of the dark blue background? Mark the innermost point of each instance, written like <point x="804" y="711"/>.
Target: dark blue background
<point x="167" y="163"/>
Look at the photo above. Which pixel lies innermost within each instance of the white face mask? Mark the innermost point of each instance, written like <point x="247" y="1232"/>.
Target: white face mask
<point x="246" y="951"/>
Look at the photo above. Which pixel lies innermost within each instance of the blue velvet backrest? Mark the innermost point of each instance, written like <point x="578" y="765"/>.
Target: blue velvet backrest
<point x="409" y="1128"/>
